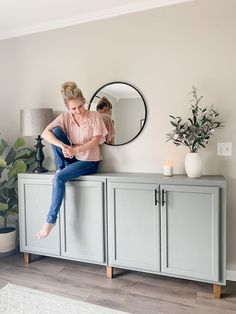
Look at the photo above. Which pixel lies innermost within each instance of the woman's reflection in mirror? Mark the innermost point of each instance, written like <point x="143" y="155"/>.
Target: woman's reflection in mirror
<point x="104" y="107"/>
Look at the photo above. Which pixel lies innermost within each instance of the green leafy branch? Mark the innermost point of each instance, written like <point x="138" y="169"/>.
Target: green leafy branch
<point x="196" y="132"/>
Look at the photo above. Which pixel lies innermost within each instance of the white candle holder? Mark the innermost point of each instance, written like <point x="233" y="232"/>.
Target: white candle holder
<point x="168" y="168"/>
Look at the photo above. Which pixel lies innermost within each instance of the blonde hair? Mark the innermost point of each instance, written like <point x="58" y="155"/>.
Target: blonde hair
<point x="104" y="101"/>
<point x="70" y="91"/>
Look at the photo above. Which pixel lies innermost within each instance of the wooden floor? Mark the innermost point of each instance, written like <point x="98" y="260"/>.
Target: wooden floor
<point x="129" y="291"/>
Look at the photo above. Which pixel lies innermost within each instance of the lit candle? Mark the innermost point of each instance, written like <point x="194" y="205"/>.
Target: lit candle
<point x="168" y="168"/>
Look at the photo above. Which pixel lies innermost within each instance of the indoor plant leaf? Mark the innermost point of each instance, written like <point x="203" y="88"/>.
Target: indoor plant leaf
<point x="12" y="201"/>
<point x="3" y="213"/>
<point x="13" y="211"/>
<point x="19" y="166"/>
<point x="3" y="206"/>
<point x="24" y="153"/>
<point x="3" y="164"/>
<point x="16" y="160"/>
<point x="19" y="143"/>
<point x="10" y="156"/>
<point x="9" y="183"/>
<point x="3" y="145"/>
<point x="31" y="160"/>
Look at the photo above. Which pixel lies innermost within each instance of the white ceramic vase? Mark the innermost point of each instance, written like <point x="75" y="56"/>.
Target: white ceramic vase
<point x="193" y="165"/>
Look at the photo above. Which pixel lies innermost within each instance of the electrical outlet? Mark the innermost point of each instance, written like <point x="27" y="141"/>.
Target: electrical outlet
<point x="224" y="149"/>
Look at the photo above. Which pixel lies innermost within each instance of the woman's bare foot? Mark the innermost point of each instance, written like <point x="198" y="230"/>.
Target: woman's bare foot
<point x="44" y="232"/>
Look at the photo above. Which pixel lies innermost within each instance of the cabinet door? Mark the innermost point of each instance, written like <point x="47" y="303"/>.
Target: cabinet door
<point x="34" y="201"/>
<point x="82" y="222"/>
<point x="190" y="231"/>
<point x="133" y="226"/>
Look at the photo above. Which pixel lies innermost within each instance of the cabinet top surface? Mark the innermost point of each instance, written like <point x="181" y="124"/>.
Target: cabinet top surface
<point x="137" y="176"/>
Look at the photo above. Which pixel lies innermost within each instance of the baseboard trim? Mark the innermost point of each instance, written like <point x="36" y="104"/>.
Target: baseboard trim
<point x="231" y="275"/>
<point x="4" y="254"/>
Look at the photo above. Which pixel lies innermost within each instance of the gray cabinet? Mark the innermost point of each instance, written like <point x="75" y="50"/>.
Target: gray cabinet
<point x="172" y="226"/>
<point x="79" y="233"/>
<point x="134" y="226"/>
<point x="82" y="222"/>
<point x="34" y="201"/>
<point x="190" y="231"/>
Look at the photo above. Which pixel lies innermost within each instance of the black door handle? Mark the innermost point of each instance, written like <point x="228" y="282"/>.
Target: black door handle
<point x="162" y="197"/>
<point x="156" y="197"/>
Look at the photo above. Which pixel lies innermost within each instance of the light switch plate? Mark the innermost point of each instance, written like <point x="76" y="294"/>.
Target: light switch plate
<point x="224" y="149"/>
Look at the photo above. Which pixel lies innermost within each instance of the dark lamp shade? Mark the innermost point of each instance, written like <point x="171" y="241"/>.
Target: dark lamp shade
<point x="34" y="121"/>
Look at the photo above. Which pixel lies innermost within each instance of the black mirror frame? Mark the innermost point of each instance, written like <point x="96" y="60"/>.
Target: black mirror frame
<point x="145" y="109"/>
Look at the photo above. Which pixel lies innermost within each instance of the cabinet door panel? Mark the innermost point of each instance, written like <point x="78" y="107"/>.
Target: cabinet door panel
<point x="133" y="222"/>
<point x="83" y="234"/>
<point x="190" y="231"/>
<point x="33" y="212"/>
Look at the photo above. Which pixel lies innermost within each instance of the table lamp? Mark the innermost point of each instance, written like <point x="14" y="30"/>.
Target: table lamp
<point x="32" y="123"/>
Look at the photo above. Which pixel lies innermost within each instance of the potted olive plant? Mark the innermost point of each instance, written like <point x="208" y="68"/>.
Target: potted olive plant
<point x="13" y="160"/>
<point x="194" y="133"/>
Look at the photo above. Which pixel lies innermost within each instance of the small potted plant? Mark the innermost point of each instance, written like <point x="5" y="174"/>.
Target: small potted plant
<point x="194" y="133"/>
<point x="13" y="160"/>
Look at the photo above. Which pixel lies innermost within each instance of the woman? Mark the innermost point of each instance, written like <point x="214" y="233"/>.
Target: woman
<point x="104" y="109"/>
<point x="75" y="137"/>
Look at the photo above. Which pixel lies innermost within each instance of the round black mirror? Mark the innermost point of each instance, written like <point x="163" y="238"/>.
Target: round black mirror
<point x="126" y="107"/>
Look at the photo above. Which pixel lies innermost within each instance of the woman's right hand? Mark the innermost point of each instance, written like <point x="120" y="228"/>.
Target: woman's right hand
<point x="64" y="148"/>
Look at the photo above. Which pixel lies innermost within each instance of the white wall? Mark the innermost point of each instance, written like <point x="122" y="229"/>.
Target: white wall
<point x="162" y="52"/>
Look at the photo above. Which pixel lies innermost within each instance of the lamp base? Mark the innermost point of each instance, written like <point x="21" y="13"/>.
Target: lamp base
<point x="40" y="169"/>
<point x="39" y="158"/>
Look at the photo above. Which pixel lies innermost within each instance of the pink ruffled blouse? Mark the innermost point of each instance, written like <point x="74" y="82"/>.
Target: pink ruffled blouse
<point x="109" y="126"/>
<point x="92" y="126"/>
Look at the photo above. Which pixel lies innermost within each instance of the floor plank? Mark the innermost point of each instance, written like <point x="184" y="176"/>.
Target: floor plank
<point x="129" y="291"/>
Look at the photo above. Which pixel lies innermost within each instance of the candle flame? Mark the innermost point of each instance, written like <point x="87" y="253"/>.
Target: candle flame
<point x="169" y="162"/>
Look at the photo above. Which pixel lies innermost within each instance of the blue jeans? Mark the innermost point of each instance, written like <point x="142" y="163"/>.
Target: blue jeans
<point x="69" y="169"/>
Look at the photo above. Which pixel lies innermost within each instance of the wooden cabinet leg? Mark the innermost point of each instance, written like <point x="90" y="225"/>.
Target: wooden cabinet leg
<point x="217" y="291"/>
<point x="109" y="272"/>
<point x="27" y="258"/>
